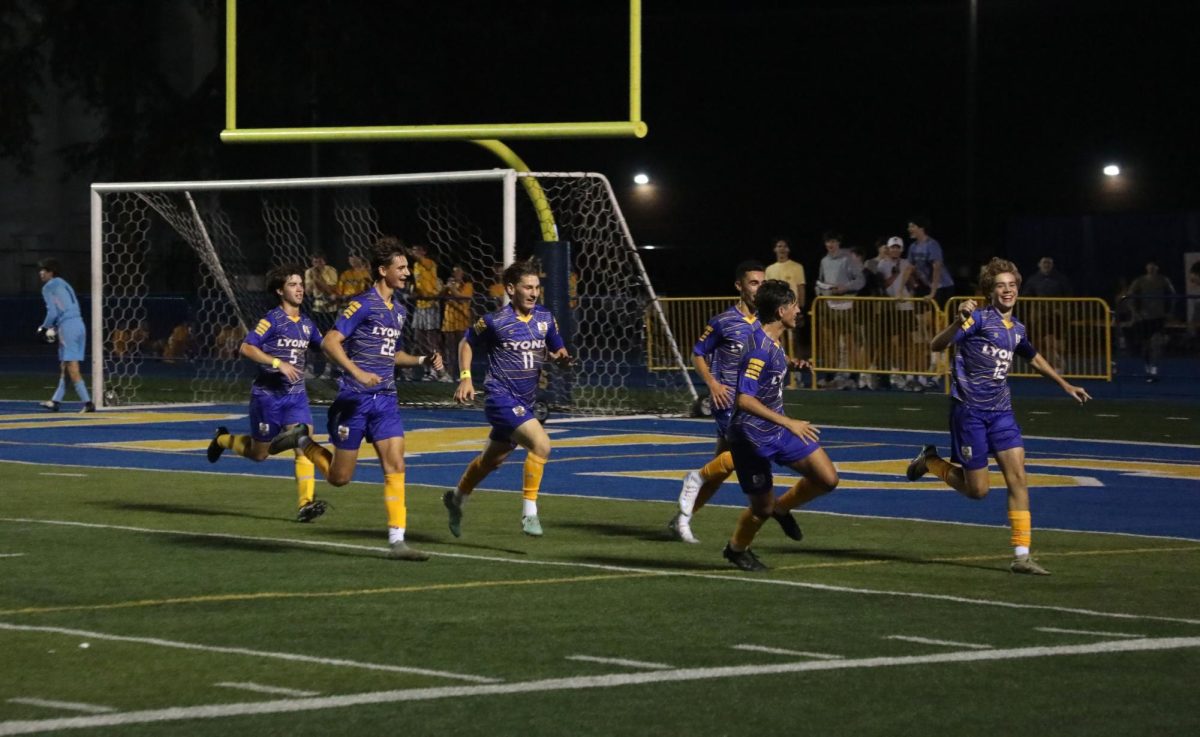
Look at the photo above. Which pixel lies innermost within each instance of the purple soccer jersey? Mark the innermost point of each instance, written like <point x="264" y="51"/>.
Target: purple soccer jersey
<point x="287" y="339"/>
<point x="987" y="343"/>
<point x="723" y="342"/>
<point x="762" y="375"/>
<point x="373" y="330"/>
<point x="516" y="349"/>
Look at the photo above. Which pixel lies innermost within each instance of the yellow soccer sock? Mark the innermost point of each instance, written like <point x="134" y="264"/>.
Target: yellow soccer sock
<point x="748" y="526"/>
<point x="472" y="476"/>
<point x="320" y="457"/>
<point x="239" y="444"/>
<point x="941" y="468"/>
<point x="718" y="469"/>
<point x="532" y="477"/>
<point x="393" y="499"/>
<point x="714" y="474"/>
<point x="1022" y="528"/>
<point x="801" y="493"/>
<point x="305" y="480"/>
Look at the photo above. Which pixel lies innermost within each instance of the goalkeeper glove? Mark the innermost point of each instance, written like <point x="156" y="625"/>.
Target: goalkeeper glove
<point x="50" y="335"/>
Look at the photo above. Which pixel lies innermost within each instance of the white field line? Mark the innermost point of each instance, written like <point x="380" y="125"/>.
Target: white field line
<point x="754" y="580"/>
<point x="68" y="475"/>
<point x="11" y="555"/>
<point x="580" y="683"/>
<point x="784" y="651"/>
<point x="65" y="705"/>
<point x="244" y="651"/>
<point x="1094" y="633"/>
<point x="260" y="688"/>
<point x="943" y="643"/>
<point x="620" y="661"/>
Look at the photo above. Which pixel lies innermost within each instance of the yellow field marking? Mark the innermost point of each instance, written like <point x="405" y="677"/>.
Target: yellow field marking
<point x="1157" y="469"/>
<point x="263" y="595"/>
<point x="1035" y="480"/>
<point x="17" y="422"/>
<point x="430" y="440"/>
<point x="971" y="558"/>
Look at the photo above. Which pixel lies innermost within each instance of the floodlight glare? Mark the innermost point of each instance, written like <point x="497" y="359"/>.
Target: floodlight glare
<point x="641" y="179"/>
<point x="1112" y="170"/>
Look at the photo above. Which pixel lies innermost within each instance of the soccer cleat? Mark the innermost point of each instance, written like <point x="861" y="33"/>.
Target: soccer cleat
<point x="531" y="525"/>
<point x="288" y="439"/>
<point x="453" y="513"/>
<point x="87" y="407"/>
<point x="744" y="559"/>
<point x="1025" y="564"/>
<point x="687" y="497"/>
<point x="680" y="528"/>
<point x="50" y="405"/>
<point x="917" y="467"/>
<point x="791" y="528"/>
<point x="311" y="510"/>
<point x="214" y="449"/>
<point x="400" y="551"/>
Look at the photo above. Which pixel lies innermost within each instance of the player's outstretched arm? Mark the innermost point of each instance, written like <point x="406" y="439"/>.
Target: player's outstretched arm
<point x="944" y="338"/>
<point x="800" y="428"/>
<point x="1043" y="367"/>
<point x="561" y="358"/>
<point x="408" y="360"/>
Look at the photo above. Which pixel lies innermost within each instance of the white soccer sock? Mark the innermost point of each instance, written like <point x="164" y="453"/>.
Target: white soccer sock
<point x="1020" y="550"/>
<point x="529" y="508"/>
<point x="395" y="535"/>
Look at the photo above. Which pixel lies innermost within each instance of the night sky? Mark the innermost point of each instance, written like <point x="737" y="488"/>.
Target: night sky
<point x="791" y="118"/>
<point x="765" y="118"/>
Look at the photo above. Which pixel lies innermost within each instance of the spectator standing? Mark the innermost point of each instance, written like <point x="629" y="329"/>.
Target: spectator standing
<point x="897" y="275"/>
<point x="456" y="318"/>
<point x="320" y="285"/>
<point x="1149" y="296"/>
<point x="1048" y="324"/>
<point x="786" y="270"/>
<point x="354" y="280"/>
<point x="925" y="254"/>
<point x="838" y="275"/>
<point x="427" y="313"/>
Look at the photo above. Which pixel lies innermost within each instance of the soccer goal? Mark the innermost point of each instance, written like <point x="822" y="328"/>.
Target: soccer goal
<point x="178" y="276"/>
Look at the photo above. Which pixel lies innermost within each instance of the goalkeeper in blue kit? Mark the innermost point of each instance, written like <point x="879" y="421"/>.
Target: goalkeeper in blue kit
<point x="63" y="325"/>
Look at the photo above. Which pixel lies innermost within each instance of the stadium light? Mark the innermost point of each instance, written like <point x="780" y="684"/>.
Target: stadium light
<point x="641" y="179"/>
<point x="1112" y="170"/>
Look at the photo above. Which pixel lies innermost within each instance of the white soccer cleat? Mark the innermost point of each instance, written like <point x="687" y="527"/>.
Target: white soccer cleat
<point x="682" y="529"/>
<point x="687" y="497"/>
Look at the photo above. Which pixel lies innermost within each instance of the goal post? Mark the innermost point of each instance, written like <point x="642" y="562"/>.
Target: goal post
<point x="177" y="276"/>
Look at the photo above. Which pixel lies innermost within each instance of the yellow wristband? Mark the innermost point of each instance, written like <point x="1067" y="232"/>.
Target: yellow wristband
<point x="465" y="374"/>
<point x="275" y="363"/>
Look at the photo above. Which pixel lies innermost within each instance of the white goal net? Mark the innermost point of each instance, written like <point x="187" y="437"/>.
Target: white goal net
<point x="178" y="269"/>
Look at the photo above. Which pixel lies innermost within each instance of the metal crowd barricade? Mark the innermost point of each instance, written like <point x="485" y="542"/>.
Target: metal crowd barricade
<point x="1073" y="333"/>
<point x="687" y="318"/>
<point x="875" y="335"/>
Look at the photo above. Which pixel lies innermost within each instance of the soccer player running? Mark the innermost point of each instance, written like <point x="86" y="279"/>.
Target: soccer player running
<point x="365" y="344"/>
<point x="278" y="344"/>
<point x="63" y="325"/>
<point x="761" y="434"/>
<point x="716" y="357"/>
<point x="517" y="338"/>
<point x="981" y="416"/>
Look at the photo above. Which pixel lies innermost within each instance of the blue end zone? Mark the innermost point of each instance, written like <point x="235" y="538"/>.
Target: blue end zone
<point x="1084" y="485"/>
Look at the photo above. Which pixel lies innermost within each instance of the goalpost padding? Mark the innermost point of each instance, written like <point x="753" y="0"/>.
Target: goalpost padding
<point x="177" y="274"/>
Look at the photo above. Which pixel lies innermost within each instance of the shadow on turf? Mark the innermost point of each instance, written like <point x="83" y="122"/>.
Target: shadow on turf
<point x="613" y="529"/>
<point x="178" y="509"/>
<point x="373" y="535"/>
<point x="854" y="554"/>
